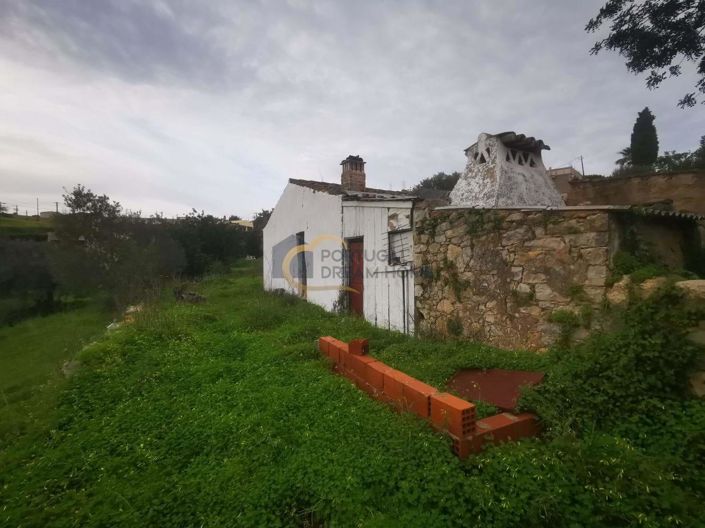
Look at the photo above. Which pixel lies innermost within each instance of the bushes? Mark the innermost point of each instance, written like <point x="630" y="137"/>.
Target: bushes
<point x="606" y="379"/>
<point x="27" y="286"/>
<point x="102" y="248"/>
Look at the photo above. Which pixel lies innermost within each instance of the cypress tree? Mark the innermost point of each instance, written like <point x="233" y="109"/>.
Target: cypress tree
<point x="644" y="147"/>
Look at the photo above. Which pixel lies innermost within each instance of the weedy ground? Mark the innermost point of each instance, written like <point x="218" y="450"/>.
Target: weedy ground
<point x="32" y="353"/>
<point x="224" y="414"/>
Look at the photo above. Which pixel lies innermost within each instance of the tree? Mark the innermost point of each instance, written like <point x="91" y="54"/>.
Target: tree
<point x="27" y="285"/>
<point x="655" y="36"/>
<point x="260" y="220"/>
<point x="699" y="154"/>
<point x="626" y="159"/>
<point x="644" y="146"/>
<point x="439" y="181"/>
<point x="679" y="161"/>
<point x="103" y="249"/>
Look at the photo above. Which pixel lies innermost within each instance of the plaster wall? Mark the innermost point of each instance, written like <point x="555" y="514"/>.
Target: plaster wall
<point x="316" y="214"/>
<point x="498" y="176"/>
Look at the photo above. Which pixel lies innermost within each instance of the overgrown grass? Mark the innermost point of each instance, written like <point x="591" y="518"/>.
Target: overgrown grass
<point x="224" y="414"/>
<point x="31" y="356"/>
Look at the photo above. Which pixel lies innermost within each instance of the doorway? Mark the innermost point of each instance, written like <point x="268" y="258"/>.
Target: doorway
<point x="356" y="275"/>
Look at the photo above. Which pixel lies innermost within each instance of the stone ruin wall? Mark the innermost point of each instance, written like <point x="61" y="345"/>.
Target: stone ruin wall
<point x="685" y="190"/>
<point x="497" y="275"/>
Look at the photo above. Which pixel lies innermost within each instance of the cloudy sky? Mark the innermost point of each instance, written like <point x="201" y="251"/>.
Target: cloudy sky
<point x="168" y="105"/>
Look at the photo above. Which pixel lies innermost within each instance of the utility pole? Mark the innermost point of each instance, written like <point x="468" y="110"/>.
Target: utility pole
<point x="16" y="212"/>
<point x="582" y="165"/>
<point x="57" y="207"/>
<point x="37" y="208"/>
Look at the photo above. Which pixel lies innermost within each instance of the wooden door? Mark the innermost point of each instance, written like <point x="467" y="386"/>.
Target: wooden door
<point x="356" y="267"/>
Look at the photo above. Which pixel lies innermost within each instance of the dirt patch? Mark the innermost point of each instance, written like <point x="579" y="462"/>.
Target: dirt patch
<point x="499" y="387"/>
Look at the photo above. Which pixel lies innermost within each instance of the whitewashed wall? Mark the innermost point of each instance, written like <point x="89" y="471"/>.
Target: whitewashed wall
<point x="388" y="298"/>
<point x="316" y="214"/>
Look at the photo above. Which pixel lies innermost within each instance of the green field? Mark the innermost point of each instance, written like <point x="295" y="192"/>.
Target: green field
<point x="224" y="414"/>
<point x="31" y="355"/>
<point x="24" y="225"/>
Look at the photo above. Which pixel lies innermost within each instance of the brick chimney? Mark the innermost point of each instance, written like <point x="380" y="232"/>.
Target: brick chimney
<point x="353" y="176"/>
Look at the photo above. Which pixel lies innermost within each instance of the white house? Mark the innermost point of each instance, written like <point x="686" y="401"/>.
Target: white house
<point x="344" y="247"/>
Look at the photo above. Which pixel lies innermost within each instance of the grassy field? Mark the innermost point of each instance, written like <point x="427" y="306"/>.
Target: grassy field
<point x="23" y="226"/>
<point x="224" y="414"/>
<point x="31" y="355"/>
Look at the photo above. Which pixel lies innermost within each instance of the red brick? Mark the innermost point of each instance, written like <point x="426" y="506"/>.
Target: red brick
<point x="453" y="414"/>
<point x="337" y="343"/>
<point x="505" y="427"/>
<point x="394" y="382"/>
<point x="327" y="346"/>
<point x="343" y="355"/>
<point x="358" y="364"/>
<point x="462" y="447"/>
<point x="333" y="354"/>
<point x="417" y="396"/>
<point x="359" y="347"/>
<point x="374" y="375"/>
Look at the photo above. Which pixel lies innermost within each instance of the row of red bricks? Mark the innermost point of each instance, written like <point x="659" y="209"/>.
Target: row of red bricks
<point x="445" y="412"/>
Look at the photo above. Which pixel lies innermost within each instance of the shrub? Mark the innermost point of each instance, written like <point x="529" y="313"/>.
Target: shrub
<point x="605" y="380"/>
<point x="568" y="322"/>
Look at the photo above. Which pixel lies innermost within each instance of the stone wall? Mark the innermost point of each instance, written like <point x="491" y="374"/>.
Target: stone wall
<point x="685" y="190"/>
<point x="497" y="275"/>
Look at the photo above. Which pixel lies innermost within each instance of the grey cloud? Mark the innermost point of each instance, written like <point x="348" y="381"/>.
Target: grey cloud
<point x="203" y="98"/>
<point x="136" y="40"/>
<point x="11" y="144"/>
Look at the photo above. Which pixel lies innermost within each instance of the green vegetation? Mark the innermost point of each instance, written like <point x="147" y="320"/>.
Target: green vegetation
<point x="657" y="37"/>
<point x="638" y="259"/>
<point x="101" y="250"/>
<point x="455" y="327"/>
<point x="225" y="414"/>
<point x="31" y="356"/>
<point x="480" y="221"/>
<point x="568" y="321"/>
<point x="642" y="157"/>
<point x="631" y="383"/>
<point x="450" y="276"/>
<point x="24" y="226"/>
<point x="439" y="181"/>
<point x="672" y="161"/>
<point x="644" y="145"/>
